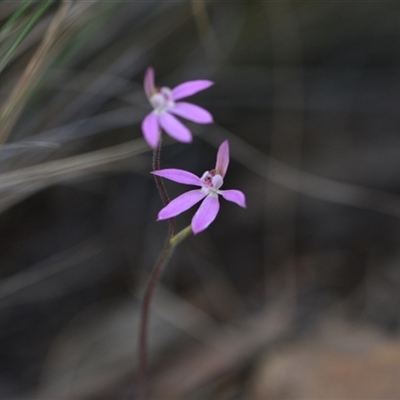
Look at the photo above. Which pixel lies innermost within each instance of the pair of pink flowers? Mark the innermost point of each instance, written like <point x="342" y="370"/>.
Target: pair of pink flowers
<point x="165" y="108"/>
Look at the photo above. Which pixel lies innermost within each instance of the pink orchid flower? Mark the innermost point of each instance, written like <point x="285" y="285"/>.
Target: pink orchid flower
<point x="164" y="103"/>
<point x="209" y="183"/>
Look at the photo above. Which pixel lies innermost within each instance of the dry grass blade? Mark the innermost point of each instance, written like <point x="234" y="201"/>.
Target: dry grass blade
<point x="13" y="106"/>
<point x="17" y="28"/>
<point x="21" y="183"/>
<point x="62" y="28"/>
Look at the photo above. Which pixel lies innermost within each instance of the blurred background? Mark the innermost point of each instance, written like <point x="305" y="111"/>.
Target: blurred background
<point x="295" y="297"/>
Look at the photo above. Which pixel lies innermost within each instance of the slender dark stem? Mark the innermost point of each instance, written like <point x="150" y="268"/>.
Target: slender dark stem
<point x="145" y="314"/>
<point x="147" y="298"/>
<point x="161" y="187"/>
<point x="152" y="284"/>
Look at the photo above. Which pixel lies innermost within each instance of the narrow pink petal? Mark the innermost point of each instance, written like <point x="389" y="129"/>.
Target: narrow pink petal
<point x="222" y="158"/>
<point x="236" y="196"/>
<point x="192" y="113"/>
<point x="206" y="214"/>
<point x="189" y="88"/>
<point x="149" y="82"/>
<point x="175" y="128"/>
<point x="178" y="175"/>
<point x="151" y="130"/>
<point x="181" y="204"/>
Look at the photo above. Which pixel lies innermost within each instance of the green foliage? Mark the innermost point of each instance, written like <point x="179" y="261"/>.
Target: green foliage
<point x="17" y="28"/>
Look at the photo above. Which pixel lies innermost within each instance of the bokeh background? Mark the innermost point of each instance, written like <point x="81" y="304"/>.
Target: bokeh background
<point x="295" y="297"/>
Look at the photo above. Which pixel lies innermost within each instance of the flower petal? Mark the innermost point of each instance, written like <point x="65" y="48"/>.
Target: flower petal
<point x="206" y="214"/>
<point x="181" y="204"/>
<point x="189" y="88"/>
<point x="178" y="175"/>
<point x="149" y="82"/>
<point x="175" y="128"/>
<point x="222" y="158"/>
<point x="236" y="196"/>
<point x="151" y="130"/>
<point x="192" y="113"/>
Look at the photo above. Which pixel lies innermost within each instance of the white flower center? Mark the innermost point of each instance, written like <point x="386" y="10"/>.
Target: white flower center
<point x="211" y="182"/>
<point x="162" y="100"/>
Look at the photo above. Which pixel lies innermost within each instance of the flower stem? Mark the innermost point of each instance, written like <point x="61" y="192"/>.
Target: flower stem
<point x="154" y="279"/>
<point x="161" y="187"/>
<point x="183" y="234"/>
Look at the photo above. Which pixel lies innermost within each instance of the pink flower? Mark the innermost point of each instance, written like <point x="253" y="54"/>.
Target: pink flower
<point x="164" y="103"/>
<point x="209" y="183"/>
